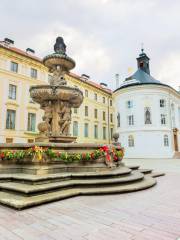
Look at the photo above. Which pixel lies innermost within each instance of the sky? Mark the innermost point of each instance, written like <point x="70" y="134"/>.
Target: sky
<point x="104" y="37"/>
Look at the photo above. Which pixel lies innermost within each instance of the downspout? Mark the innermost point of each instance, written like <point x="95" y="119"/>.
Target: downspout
<point x="108" y="122"/>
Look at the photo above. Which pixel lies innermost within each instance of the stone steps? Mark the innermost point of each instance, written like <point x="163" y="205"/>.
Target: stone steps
<point x="38" y="179"/>
<point x="133" y="167"/>
<point x="23" y="188"/>
<point x="146" y="171"/>
<point x="156" y="174"/>
<point x="19" y="201"/>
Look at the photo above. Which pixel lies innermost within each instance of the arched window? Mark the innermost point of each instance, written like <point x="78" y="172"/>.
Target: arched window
<point x="130" y="141"/>
<point x="75" y="128"/>
<point x="166" y="141"/>
<point x="147" y="115"/>
<point x="118" y="120"/>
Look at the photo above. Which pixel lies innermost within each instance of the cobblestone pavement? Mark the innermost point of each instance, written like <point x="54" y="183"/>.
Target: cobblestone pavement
<point x="152" y="214"/>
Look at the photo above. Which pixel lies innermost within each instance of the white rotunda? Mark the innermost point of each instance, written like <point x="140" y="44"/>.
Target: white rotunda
<point x="148" y="115"/>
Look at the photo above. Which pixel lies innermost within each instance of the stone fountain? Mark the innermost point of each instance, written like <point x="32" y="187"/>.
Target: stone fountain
<point x="57" y="99"/>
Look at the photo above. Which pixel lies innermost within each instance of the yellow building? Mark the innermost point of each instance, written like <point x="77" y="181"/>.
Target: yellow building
<point x="92" y="122"/>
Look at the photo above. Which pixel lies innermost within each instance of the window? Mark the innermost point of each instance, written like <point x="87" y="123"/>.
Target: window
<point x="163" y="119"/>
<point x="162" y="103"/>
<point x="104" y="116"/>
<point x="147" y="115"/>
<point x="86" y="111"/>
<point x="95" y="96"/>
<point x="130" y="120"/>
<point x="104" y="133"/>
<point x="10" y="119"/>
<point x="31" y="122"/>
<point x="110" y="102"/>
<point x="86" y="130"/>
<point x="166" y="141"/>
<point x="86" y="93"/>
<point x="30" y="140"/>
<point x="104" y="100"/>
<point x="95" y="131"/>
<point x="111" y="133"/>
<point x="14" y="67"/>
<point x="33" y="73"/>
<point x="111" y="117"/>
<point x="118" y="120"/>
<point x="131" y="141"/>
<point x="9" y="140"/>
<point x="12" y="91"/>
<point x="75" y="110"/>
<point x="129" y="104"/>
<point x="95" y="113"/>
<point x="75" y="128"/>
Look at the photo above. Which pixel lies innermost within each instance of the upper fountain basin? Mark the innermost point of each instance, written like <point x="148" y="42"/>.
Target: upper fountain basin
<point x="42" y="93"/>
<point x="57" y="59"/>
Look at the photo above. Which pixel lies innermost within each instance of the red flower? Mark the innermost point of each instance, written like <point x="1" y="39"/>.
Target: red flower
<point x="2" y="155"/>
<point x="92" y="155"/>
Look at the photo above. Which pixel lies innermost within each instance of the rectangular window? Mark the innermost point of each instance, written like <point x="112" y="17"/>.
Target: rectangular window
<point x="12" y="91"/>
<point x="33" y="73"/>
<point x="14" y="67"/>
<point x="95" y="96"/>
<point x="104" y="116"/>
<point x="162" y="103"/>
<point x="95" y="131"/>
<point x="75" y="110"/>
<point x="75" y="128"/>
<point x="86" y="111"/>
<point x="95" y="113"/>
<point x="9" y="140"/>
<point x="129" y="104"/>
<point x="104" y="133"/>
<point x="118" y="120"/>
<point x="86" y="130"/>
<point x="31" y="122"/>
<point x="130" y="120"/>
<point x="111" y="117"/>
<point x="104" y="100"/>
<point x="10" y="119"/>
<point x="111" y="133"/>
<point x="163" y="119"/>
<point x="30" y="140"/>
<point x="86" y="93"/>
<point x="110" y="102"/>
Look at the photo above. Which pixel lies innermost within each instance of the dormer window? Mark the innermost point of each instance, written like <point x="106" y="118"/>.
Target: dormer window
<point x="141" y="64"/>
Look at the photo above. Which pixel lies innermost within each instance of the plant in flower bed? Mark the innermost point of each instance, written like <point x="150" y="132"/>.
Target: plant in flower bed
<point x="40" y="153"/>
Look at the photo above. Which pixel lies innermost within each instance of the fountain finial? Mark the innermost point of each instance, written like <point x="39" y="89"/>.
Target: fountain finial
<point x="60" y="46"/>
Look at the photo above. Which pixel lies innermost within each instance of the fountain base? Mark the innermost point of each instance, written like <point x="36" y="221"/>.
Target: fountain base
<point x="62" y="139"/>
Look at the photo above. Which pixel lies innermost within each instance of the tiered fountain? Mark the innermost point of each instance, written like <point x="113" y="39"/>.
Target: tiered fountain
<point x="55" y="167"/>
<point x="57" y="99"/>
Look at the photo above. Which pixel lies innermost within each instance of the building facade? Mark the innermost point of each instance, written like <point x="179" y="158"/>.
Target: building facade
<point x="92" y="122"/>
<point x="148" y="115"/>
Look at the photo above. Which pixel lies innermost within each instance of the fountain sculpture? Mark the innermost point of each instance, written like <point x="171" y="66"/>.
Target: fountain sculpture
<point x="57" y="99"/>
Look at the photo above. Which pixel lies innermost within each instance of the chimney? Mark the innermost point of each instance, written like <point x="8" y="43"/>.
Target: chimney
<point x="117" y="79"/>
<point x="8" y="42"/>
<point x="85" y="77"/>
<point x="30" y="50"/>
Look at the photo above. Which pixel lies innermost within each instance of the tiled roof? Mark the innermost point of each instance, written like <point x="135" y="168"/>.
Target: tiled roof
<point x="94" y="84"/>
<point x="21" y="52"/>
<point x="24" y="53"/>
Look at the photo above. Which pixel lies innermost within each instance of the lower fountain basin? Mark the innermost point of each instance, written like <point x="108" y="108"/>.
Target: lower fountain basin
<point x="42" y="93"/>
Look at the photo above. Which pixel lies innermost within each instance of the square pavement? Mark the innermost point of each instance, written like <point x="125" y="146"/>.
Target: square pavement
<point x="152" y="214"/>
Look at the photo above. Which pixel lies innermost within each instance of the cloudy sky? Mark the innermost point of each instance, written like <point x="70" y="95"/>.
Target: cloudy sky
<point x="103" y="36"/>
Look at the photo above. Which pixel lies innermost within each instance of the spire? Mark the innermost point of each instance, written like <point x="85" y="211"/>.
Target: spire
<point x="143" y="61"/>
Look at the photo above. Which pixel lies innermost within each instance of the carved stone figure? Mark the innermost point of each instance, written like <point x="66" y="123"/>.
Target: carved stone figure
<point x="47" y="118"/>
<point x="57" y="78"/>
<point x="65" y="118"/>
<point x="60" y="46"/>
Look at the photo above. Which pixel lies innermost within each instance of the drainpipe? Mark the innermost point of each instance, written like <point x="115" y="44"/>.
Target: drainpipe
<point x="108" y="122"/>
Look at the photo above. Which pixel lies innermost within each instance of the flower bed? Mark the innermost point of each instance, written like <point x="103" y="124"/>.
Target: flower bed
<point x="37" y="153"/>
